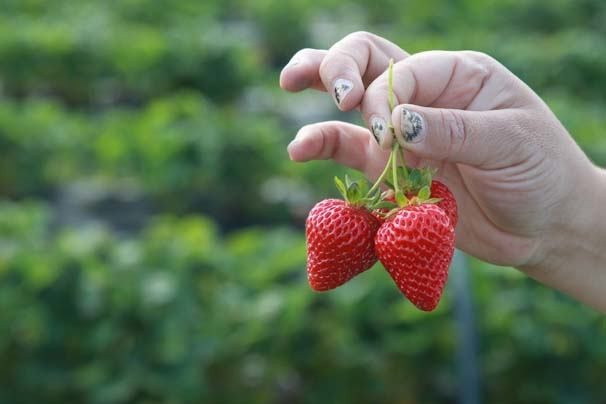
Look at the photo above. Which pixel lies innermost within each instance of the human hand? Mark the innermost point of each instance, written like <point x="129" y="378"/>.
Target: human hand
<point x="345" y="70"/>
<point x="527" y="195"/>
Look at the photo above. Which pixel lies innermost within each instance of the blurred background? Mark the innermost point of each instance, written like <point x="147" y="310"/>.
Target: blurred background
<point x="151" y="225"/>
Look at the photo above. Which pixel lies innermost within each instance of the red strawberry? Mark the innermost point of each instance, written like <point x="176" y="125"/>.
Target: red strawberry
<point x="340" y="243"/>
<point x="448" y="202"/>
<point x="416" y="246"/>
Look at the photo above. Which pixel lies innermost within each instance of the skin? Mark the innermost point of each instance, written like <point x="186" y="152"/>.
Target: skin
<point x="528" y="196"/>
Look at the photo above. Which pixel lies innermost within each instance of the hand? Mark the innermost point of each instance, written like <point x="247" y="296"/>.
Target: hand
<point x="359" y="59"/>
<point x="344" y="70"/>
<point x="527" y="195"/>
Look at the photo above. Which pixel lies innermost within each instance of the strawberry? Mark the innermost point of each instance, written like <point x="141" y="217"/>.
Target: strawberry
<point x="447" y="203"/>
<point x="409" y="228"/>
<point x="438" y="190"/>
<point x="416" y="245"/>
<point x="340" y="243"/>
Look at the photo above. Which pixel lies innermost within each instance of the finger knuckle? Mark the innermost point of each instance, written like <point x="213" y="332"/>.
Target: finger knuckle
<point x="361" y="36"/>
<point x="455" y="129"/>
<point x="331" y="136"/>
<point x="481" y="58"/>
<point x="323" y="70"/>
<point x="342" y="62"/>
<point x="475" y="69"/>
<point x="476" y="55"/>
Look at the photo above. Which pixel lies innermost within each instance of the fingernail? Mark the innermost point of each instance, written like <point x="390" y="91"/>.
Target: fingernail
<point x="342" y="88"/>
<point x="412" y="126"/>
<point x="378" y="127"/>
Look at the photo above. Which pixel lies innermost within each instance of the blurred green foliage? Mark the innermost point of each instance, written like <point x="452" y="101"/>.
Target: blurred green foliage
<point x="151" y="243"/>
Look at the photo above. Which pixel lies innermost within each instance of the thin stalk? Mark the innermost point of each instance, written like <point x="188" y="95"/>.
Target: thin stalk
<point x="396" y="148"/>
<point x="392" y="98"/>
<point x="396" y="151"/>
<point x="403" y="163"/>
<point x="382" y="176"/>
<point x="394" y="167"/>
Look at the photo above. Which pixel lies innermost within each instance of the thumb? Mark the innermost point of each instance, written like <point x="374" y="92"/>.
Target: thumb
<point x="479" y="138"/>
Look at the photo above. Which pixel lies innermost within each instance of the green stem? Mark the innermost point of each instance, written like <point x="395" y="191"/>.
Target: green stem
<point x="394" y="167"/>
<point x="392" y="162"/>
<point x="403" y="163"/>
<point x="382" y="176"/>
<point x="392" y="98"/>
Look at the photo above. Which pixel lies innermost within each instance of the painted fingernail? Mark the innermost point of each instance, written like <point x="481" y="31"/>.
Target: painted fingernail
<point x="412" y="126"/>
<point x="378" y="127"/>
<point x="342" y="88"/>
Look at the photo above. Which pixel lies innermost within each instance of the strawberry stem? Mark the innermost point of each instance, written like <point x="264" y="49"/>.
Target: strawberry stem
<point x="394" y="167"/>
<point x="412" y="179"/>
<point x="403" y="160"/>
<point x="381" y="177"/>
<point x="392" y="97"/>
<point x="392" y="161"/>
<point x="396" y="147"/>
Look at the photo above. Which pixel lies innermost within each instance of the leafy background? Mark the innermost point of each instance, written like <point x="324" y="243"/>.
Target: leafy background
<point x="151" y="239"/>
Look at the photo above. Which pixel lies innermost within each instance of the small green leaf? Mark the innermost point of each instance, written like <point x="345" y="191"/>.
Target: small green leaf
<point x="363" y="184"/>
<point x="348" y="181"/>
<point x="353" y="193"/>
<point x="424" y="193"/>
<point x="401" y="199"/>
<point x="418" y="178"/>
<point x="374" y="197"/>
<point x="403" y="174"/>
<point x="433" y="200"/>
<point x="385" y="205"/>
<point x="415" y="178"/>
<point x="341" y="187"/>
<point x="427" y="174"/>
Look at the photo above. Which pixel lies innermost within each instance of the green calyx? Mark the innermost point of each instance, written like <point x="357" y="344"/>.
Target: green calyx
<point x="406" y="186"/>
<point x="356" y="193"/>
<point x="412" y="183"/>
